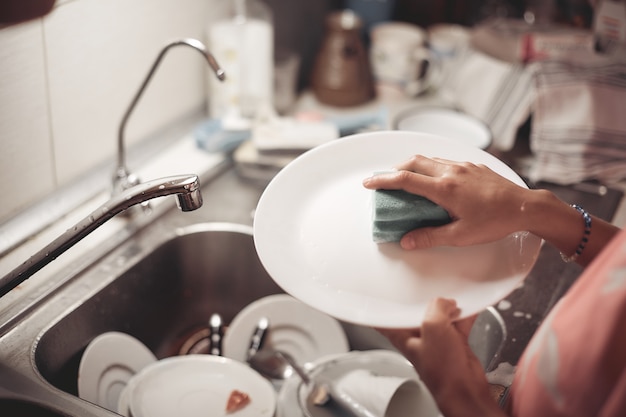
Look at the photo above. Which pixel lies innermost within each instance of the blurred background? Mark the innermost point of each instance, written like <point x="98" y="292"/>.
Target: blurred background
<point x="68" y="70"/>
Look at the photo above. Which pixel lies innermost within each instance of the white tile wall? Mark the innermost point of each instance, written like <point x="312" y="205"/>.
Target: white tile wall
<point x="26" y="166"/>
<point x="66" y="80"/>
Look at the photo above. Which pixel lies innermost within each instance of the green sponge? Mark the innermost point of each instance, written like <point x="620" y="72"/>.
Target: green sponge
<point x="396" y="212"/>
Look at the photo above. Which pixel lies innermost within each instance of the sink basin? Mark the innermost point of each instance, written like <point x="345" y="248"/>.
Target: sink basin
<point x="172" y="291"/>
<point x="208" y="268"/>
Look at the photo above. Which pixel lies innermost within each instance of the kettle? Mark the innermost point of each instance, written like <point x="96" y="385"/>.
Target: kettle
<point x="341" y="73"/>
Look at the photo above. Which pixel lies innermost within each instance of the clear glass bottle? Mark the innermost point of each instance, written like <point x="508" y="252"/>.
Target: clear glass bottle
<point x="241" y="38"/>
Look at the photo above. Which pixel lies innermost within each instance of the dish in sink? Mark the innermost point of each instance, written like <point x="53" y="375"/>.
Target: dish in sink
<point x="109" y="362"/>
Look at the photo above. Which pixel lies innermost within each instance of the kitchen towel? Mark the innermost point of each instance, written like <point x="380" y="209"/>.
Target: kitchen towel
<point x="495" y="91"/>
<point x="578" y="129"/>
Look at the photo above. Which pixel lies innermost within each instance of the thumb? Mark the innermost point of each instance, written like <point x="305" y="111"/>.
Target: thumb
<point x="425" y="238"/>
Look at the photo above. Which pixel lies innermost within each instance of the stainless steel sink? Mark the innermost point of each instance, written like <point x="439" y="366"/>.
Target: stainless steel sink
<point x="25" y="408"/>
<point x="160" y="285"/>
<point x="208" y="268"/>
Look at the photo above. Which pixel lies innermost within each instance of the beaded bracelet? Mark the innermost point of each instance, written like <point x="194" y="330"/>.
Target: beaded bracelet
<point x="584" y="240"/>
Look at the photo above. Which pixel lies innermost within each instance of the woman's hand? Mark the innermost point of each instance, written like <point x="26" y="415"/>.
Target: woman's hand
<point x="483" y="205"/>
<point x="444" y="361"/>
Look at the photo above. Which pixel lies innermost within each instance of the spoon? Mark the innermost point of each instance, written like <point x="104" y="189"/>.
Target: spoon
<point x="276" y="364"/>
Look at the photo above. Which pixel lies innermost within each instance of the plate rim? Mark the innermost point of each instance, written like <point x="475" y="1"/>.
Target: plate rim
<point x="255" y="310"/>
<point x="265" y="389"/>
<point x="135" y="357"/>
<point x="465" y="117"/>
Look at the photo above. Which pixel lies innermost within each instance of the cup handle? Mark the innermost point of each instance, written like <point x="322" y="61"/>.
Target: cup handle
<point x="428" y="70"/>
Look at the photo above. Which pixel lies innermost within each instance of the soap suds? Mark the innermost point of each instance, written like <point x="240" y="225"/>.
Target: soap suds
<point x="504" y="305"/>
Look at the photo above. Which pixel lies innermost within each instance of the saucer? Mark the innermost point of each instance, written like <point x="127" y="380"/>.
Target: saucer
<point x="302" y="331"/>
<point x="109" y="362"/>
<point x="449" y="123"/>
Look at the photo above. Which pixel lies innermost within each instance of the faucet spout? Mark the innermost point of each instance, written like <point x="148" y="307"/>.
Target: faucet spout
<point x="185" y="187"/>
<point x="122" y="178"/>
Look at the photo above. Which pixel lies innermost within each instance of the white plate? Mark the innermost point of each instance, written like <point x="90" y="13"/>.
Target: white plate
<point x="109" y="361"/>
<point x="198" y="385"/>
<point x="292" y="396"/>
<point x="448" y="123"/>
<point x="294" y="327"/>
<point x="312" y="231"/>
<point x="123" y="403"/>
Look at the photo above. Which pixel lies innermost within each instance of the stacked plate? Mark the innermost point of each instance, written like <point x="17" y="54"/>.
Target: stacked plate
<point x="196" y="385"/>
<point x="120" y="373"/>
<point x="303" y="332"/>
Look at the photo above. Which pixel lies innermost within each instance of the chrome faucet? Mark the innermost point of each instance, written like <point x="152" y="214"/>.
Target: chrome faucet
<point x="185" y="187"/>
<point x="122" y="177"/>
<point x="127" y="190"/>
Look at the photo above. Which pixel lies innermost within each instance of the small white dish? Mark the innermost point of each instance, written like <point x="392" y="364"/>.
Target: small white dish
<point x="198" y="386"/>
<point x="292" y="398"/>
<point x="313" y="234"/>
<point x="448" y="123"/>
<point x="108" y="363"/>
<point x="294" y="327"/>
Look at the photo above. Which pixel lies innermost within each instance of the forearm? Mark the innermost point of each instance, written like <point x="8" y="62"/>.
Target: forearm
<point x="562" y="226"/>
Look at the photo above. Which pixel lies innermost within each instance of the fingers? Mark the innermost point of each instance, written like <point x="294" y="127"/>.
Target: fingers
<point x="419" y="175"/>
<point x="402" y="339"/>
<point x="442" y="310"/>
<point x="429" y="237"/>
<point x="423" y="165"/>
<point x="414" y="172"/>
<point x="397" y="180"/>
<point x="464" y="326"/>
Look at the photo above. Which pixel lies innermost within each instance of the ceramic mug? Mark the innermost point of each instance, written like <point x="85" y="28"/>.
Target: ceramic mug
<point x="401" y="61"/>
<point x="368" y="394"/>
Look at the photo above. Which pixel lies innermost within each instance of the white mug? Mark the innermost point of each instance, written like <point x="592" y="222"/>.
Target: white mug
<point x="371" y="395"/>
<point x="401" y="60"/>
